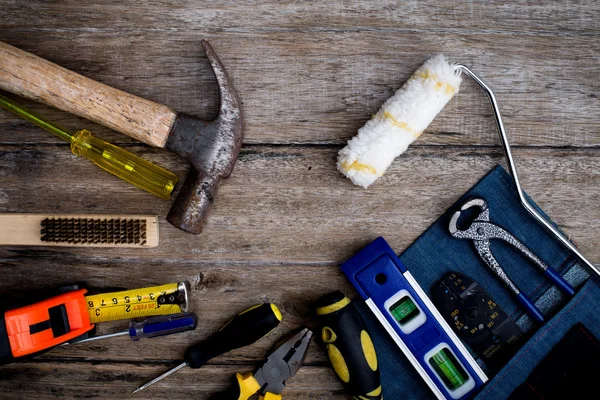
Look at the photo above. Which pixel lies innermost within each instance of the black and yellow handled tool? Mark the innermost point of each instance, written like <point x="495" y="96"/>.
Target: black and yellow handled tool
<point x="71" y="315"/>
<point x="243" y="330"/>
<point x="346" y="340"/>
<point x="270" y="379"/>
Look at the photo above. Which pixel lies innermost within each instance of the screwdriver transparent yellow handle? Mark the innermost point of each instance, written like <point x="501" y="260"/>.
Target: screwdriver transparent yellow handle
<point x="124" y="164"/>
<point x="111" y="158"/>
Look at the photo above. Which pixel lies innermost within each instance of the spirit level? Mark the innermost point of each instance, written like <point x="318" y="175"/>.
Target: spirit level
<point x="412" y="321"/>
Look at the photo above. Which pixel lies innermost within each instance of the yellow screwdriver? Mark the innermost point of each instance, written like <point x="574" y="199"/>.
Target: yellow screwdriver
<point x="111" y="158"/>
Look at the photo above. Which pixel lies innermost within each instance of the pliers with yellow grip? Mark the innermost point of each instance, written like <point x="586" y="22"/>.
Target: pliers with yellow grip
<point x="269" y="380"/>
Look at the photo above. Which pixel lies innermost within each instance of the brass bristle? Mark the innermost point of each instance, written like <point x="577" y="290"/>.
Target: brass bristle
<point x="93" y="231"/>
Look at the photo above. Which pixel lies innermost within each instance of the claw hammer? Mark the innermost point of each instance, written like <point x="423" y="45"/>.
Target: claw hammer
<point x="211" y="147"/>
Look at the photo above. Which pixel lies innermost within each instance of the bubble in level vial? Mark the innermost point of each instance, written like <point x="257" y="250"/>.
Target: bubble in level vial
<point x="404" y="310"/>
<point x="449" y="369"/>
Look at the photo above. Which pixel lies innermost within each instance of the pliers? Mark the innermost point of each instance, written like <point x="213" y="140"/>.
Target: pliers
<point x="269" y="380"/>
<point x="481" y="231"/>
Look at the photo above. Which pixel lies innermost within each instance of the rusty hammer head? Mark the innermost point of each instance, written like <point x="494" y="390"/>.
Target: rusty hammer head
<point x="212" y="148"/>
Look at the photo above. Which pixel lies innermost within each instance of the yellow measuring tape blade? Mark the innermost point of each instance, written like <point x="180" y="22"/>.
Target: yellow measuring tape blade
<point x="131" y="303"/>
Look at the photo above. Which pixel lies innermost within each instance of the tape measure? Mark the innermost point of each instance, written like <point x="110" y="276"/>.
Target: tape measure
<point x="166" y="299"/>
<point x="466" y="306"/>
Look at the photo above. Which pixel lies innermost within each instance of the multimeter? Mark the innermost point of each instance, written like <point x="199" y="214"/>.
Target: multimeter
<point x="410" y="318"/>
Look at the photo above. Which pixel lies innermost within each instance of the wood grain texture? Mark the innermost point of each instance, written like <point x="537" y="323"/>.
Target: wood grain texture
<point x="322" y="87"/>
<point x="33" y="77"/>
<point x="289" y="204"/>
<point x="309" y="75"/>
<point x="45" y="380"/>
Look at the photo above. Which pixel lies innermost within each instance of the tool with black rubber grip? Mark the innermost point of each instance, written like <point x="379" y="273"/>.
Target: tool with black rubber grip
<point x="243" y="330"/>
<point x="348" y="345"/>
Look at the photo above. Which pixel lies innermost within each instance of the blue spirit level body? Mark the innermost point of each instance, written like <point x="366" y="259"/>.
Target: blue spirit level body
<point x="412" y="321"/>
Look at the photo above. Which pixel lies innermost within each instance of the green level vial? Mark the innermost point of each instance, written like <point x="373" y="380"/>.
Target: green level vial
<point x="404" y="310"/>
<point x="448" y="368"/>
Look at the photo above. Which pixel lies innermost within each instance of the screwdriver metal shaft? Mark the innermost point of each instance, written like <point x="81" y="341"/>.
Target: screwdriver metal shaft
<point x="108" y="335"/>
<point x="152" y="327"/>
<point x="153" y="381"/>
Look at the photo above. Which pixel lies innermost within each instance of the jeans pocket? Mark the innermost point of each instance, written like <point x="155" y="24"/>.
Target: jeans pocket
<point x="583" y="307"/>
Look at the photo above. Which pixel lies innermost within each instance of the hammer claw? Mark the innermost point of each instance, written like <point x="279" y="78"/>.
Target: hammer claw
<point x="212" y="147"/>
<point x="230" y="103"/>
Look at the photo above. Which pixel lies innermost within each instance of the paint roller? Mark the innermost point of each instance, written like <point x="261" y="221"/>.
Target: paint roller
<point x="405" y="115"/>
<point x="399" y="122"/>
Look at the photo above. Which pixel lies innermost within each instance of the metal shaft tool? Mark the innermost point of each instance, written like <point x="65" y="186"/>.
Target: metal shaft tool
<point x="211" y="147"/>
<point x="481" y="231"/>
<point x="152" y="327"/>
<point x="110" y="158"/>
<point x="244" y="329"/>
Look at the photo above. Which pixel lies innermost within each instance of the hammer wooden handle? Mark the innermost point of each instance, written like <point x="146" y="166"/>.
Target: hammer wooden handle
<point x="33" y="77"/>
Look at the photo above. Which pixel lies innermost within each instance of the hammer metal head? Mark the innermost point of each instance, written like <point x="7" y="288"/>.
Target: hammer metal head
<point x="212" y="148"/>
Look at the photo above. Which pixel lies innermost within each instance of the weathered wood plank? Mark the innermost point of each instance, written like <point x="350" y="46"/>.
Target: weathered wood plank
<point x="320" y="87"/>
<point x="51" y="380"/>
<point x="540" y="17"/>
<point x="290" y="205"/>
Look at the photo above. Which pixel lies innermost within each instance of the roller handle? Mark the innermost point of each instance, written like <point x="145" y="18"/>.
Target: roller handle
<point x="348" y="345"/>
<point x="33" y="77"/>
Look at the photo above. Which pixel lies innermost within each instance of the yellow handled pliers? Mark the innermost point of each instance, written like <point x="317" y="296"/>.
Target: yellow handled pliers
<point x="269" y="380"/>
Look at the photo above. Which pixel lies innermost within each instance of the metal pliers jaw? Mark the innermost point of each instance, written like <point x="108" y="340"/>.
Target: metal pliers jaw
<point x="471" y="232"/>
<point x="481" y="231"/>
<point x="283" y="363"/>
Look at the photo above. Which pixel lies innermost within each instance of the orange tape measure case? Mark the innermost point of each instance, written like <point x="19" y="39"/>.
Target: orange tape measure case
<point x="38" y="327"/>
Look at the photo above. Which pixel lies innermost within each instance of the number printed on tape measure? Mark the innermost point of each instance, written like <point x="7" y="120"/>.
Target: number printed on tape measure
<point x="131" y="303"/>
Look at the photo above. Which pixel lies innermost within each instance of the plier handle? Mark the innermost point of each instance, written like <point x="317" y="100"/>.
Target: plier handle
<point x="247" y="385"/>
<point x="269" y="380"/>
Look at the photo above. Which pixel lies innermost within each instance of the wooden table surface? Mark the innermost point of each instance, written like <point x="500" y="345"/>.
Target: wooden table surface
<point x="309" y="75"/>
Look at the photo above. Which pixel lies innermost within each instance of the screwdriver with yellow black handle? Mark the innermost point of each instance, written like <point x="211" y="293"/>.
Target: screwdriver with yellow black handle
<point x="346" y="340"/>
<point x="110" y="158"/>
<point x="243" y="330"/>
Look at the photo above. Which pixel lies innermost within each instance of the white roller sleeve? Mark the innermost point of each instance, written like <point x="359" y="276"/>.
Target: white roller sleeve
<point x="400" y="121"/>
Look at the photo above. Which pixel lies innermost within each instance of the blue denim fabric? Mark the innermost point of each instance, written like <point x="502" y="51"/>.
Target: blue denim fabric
<point x="435" y="253"/>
